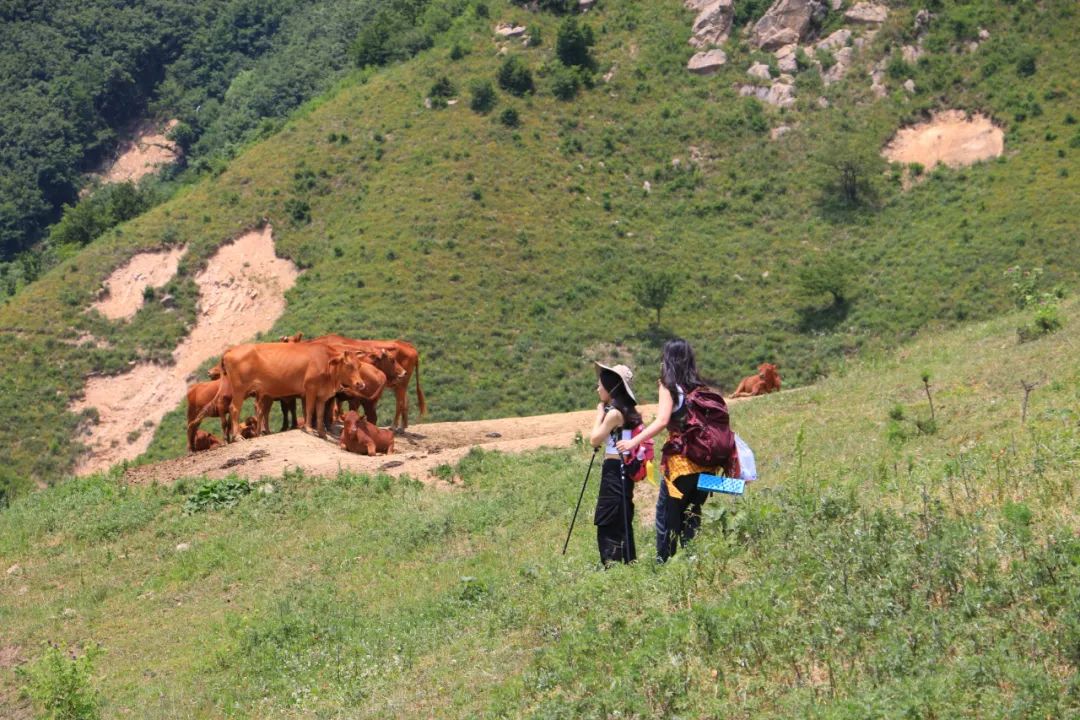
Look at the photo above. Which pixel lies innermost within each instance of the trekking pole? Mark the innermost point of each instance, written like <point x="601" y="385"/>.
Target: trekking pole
<point x="627" y="520"/>
<point x="574" y="519"/>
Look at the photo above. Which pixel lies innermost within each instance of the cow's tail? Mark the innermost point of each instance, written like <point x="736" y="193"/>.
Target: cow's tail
<point x="419" y="391"/>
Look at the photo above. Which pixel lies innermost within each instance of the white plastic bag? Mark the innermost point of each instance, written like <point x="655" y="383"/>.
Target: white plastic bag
<point x="747" y="465"/>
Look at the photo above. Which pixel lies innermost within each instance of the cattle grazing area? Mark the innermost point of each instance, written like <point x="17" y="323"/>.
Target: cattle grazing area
<point x="509" y="242"/>
<point x="873" y="569"/>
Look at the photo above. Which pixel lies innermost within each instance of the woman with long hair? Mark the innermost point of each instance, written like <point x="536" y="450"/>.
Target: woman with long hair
<point x="678" y="506"/>
<point x="616" y="417"/>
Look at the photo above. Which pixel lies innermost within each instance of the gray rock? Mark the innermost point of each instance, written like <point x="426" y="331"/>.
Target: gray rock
<point x="583" y="5"/>
<point x="779" y="131"/>
<point x="760" y="71"/>
<point x="911" y="53"/>
<point x="14" y="570"/>
<point x="713" y="23"/>
<point x="909" y="85"/>
<point x="785" y="58"/>
<point x="509" y="31"/>
<point x="183" y="547"/>
<point x="786" y="22"/>
<point x="867" y="12"/>
<point x="823" y="102"/>
<point x="835" y="41"/>
<point x="844" y="58"/>
<point x="778" y="94"/>
<point x="984" y="34"/>
<point x="922" y="21"/>
<point x="708" y="62"/>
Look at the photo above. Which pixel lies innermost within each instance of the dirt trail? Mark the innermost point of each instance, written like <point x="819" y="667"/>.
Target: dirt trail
<point x="416" y="453"/>
<point x="241" y="293"/>
<point x="128" y="282"/>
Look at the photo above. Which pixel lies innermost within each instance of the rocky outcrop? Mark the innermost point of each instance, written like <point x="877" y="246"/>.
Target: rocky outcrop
<point x="844" y="58"/>
<point x="867" y="13"/>
<point x="787" y="22"/>
<point x="509" y="31"/>
<point x="835" y="41"/>
<point x="713" y="23"/>
<point x="785" y="58"/>
<point x="759" y="71"/>
<point x="706" y="63"/>
<point x="780" y="94"/>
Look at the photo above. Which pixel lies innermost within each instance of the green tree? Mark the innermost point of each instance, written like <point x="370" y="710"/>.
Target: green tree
<point x="573" y="43"/>
<point x="483" y="96"/>
<point x="653" y="290"/>
<point x="828" y="273"/>
<point x="515" y="77"/>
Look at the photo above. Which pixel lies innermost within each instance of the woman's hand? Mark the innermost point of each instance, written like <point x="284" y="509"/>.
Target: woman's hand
<point x="625" y="446"/>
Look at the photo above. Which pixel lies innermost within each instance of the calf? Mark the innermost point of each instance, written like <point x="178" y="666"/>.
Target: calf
<point x="204" y="441"/>
<point x="360" y="436"/>
<point x="766" y="381"/>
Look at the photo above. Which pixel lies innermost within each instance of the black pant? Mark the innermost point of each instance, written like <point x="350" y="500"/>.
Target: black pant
<point x="682" y="516"/>
<point x="614" y="518"/>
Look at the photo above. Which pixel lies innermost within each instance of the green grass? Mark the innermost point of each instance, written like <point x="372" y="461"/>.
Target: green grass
<point x="508" y="253"/>
<point x="864" y="575"/>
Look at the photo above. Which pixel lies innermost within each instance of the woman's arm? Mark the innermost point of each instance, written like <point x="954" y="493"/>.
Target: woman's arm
<point x="663" y="415"/>
<point x="603" y="425"/>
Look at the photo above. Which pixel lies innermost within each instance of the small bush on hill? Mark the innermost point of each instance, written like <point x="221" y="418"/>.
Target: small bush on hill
<point x="515" y="77"/>
<point x="509" y="118"/>
<point x="559" y="7"/>
<point x="573" y="43"/>
<point x="653" y="290"/>
<point x="565" y="82"/>
<point x="483" y="96"/>
<point x="60" y="686"/>
<point x="442" y="88"/>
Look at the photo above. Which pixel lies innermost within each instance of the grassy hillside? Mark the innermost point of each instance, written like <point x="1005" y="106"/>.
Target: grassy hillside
<point x="873" y="571"/>
<point x="508" y="254"/>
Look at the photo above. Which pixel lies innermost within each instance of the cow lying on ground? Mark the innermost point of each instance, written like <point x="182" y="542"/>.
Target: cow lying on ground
<point x="250" y="428"/>
<point x="313" y="371"/>
<point x="204" y="441"/>
<point x="360" y="436"/>
<point x="766" y="381"/>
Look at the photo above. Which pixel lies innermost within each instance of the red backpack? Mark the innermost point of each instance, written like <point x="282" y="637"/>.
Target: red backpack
<point x="706" y="438"/>
<point x="635" y="464"/>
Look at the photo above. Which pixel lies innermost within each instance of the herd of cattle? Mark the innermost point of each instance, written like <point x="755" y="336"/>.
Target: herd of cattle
<point x="322" y="373"/>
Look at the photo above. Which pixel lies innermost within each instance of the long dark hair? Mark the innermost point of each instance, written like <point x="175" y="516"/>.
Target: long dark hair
<point x="679" y="368"/>
<point x="620" y="399"/>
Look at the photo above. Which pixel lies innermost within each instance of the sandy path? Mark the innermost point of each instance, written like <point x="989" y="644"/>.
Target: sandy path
<point x="417" y="452"/>
<point x="127" y="283"/>
<point x="950" y="137"/>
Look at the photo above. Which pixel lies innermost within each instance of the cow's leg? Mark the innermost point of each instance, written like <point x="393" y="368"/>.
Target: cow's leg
<point x="191" y="429"/>
<point x="310" y="411"/>
<point x="370" y="407"/>
<point x="320" y="415"/>
<point x="401" y="397"/>
<point x="235" y="407"/>
<point x="287" y="405"/>
<point x="263" y="407"/>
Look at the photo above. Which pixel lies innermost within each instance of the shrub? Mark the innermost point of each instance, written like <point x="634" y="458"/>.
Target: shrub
<point x="298" y="210"/>
<point x="442" y="88"/>
<point x="509" y="117"/>
<point x="830" y="273"/>
<point x="515" y="77"/>
<point x="1025" y="65"/>
<point x="565" y="83"/>
<point x="457" y="52"/>
<point x="573" y="43"/>
<point x="847" y="176"/>
<point x="559" y="7"/>
<point x="60" y="686"/>
<point x="483" y="96"/>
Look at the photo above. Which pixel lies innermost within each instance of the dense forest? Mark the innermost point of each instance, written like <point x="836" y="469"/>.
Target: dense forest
<point x="74" y="74"/>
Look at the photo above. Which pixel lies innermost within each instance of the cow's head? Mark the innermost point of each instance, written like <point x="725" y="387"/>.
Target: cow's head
<point x="292" y="338"/>
<point x="767" y="372"/>
<point x="385" y="361"/>
<point x="345" y="371"/>
<point x="215" y="372"/>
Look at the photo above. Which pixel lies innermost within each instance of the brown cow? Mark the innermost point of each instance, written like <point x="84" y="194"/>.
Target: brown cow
<point x="407" y="357"/>
<point x="282" y="370"/>
<point x="766" y="381"/>
<point x="206" y="399"/>
<point x="361" y="436"/>
<point x="204" y="441"/>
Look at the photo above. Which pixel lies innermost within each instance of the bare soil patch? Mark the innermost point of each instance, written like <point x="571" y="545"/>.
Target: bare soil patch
<point x="241" y="293"/>
<point x="949" y="137"/>
<point x="146" y="152"/>
<point x="125" y="286"/>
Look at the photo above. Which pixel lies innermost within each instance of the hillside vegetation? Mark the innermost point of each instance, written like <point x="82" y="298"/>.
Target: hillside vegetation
<point x="506" y="243"/>
<point x="876" y="570"/>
